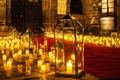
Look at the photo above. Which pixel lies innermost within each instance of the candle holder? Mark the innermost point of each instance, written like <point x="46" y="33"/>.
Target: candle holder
<point x="20" y="68"/>
<point x="69" y="47"/>
<point x="8" y="69"/>
<point x="28" y="69"/>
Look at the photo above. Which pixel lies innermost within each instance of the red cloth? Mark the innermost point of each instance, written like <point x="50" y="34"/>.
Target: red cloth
<point x="103" y="62"/>
<point x="50" y="42"/>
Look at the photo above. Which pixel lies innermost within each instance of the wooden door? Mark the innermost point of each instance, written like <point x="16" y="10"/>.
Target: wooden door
<point x="26" y="13"/>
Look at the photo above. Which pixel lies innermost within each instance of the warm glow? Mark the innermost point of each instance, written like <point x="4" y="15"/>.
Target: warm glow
<point x="69" y="67"/>
<point x="40" y="51"/>
<point x="107" y="6"/>
<point x="27" y="52"/>
<point x="39" y="63"/>
<point x="107" y="23"/>
<point x="43" y="69"/>
<point x="73" y="57"/>
<point x="19" y="52"/>
<point x="4" y="57"/>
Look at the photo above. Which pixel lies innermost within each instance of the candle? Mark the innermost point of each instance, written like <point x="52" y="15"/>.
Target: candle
<point x="19" y="52"/>
<point x="69" y="67"/>
<point x="43" y="68"/>
<point x="15" y="56"/>
<point x="11" y="60"/>
<point x="28" y="70"/>
<point x="47" y="67"/>
<point x="20" y="68"/>
<point x="27" y="63"/>
<point x="4" y="57"/>
<point x="58" y="61"/>
<point x="31" y="59"/>
<point x="2" y="52"/>
<point x="8" y="69"/>
<point x="4" y="65"/>
<point x="73" y="57"/>
<point x="39" y="63"/>
<point x="51" y="57"/>
<point x="27" y="52"/>
<point x="7" y="53"/>
<point x="40" y="51"/>
<point x="35" y="55"/>
<point x="27" y="44"/>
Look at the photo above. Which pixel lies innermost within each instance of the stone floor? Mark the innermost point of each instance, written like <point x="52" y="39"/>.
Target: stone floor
<point x="36" y="76"/>
<point x="87" y="76"/>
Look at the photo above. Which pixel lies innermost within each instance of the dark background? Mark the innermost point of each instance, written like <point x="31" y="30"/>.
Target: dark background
<point x="26" y="14"/>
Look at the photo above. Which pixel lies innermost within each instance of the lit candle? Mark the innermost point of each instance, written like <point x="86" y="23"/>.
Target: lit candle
<point x="47" y="67"/>
<point x="58" y="61"/>
<point x="20" y="68"/>
<point x="27" y="44"/>
<point x="8" y="69"/>
<point x="19" y="52"/>
<point x="4" y="57"/>
<point x="27" y="62"/>
<point x="40" y="51"/>
<point x="2" y="51"/>
<point x="28" y="70"/>
<point x="69" y="67"/>
<point x="39" y="63"/>
<point x="27" y="52"/>
<point x="73" y="57"/>
<point x="43" y="69"/>
<point x="15" y="56"/>
<point x="51" y="57"/>
<point x="4" y="65"/>
<point x="11" y="60"/>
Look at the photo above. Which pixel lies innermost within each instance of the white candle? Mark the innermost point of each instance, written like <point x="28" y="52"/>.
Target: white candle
<point x="4" y="57"/>
<point x="43" y="69"/>
<point x="40" y="51"/>
<point x="2" y="52"/>
<point x="69" y="67"/>
<point x="15" y="56"/>
<point x="73" y="57"/>
<point x="19" y="52"/>
<point x="8" y="69"/>
<point x="39" y="63"/>
<point x="27" y="52"/>
<point x="58" y="61"/>
<point x="51" y="57"/>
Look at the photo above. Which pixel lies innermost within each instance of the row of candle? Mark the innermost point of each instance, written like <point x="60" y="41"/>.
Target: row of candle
<point x="16" y="43"/>
<point x="98" y="40"/>
<point x="41" y="64"/>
